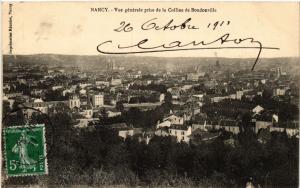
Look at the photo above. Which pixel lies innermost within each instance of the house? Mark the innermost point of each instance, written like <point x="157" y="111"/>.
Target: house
<point x="181" y="133"/>
<point x="175" y="92"/>
<point x="84" y="122"/>
<point x="278" y="92"/>
<point x="198" y="97"/>
<point x="202" y="135"/>
<point x="97" y="99"/>
<point x="87" y="111"/>
<point x="166" y="123"/>
<point x="37" y="106"/>
<point x="230" y="126"/>
<point x="74" y="101"/>
<point x="175" y="120"/>
<point x="113" y="113"/>
<point x="161" y="97"/>
<point x="257" y="110"/>
<point x="262" y="125"/>
<point x="202" y="125"/>
<point x="121" y="129"/>
<point x="162" y="132"/>
<point x="124" y="133"/>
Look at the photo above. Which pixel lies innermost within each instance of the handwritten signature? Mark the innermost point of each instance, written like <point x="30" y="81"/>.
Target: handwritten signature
<point x="225" y="41"/>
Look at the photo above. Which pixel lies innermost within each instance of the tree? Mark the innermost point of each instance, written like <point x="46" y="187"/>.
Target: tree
<point x="15" y="116"/>
<point x="103" y="113"/>
<point x="168" y="98"/>
<point x="267" y="94"/>
<point x="120" y="106"/>
<point x="6" y="108"/>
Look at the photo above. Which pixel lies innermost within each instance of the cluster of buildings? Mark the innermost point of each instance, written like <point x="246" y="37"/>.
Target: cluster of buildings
<point x="200" y="98"/>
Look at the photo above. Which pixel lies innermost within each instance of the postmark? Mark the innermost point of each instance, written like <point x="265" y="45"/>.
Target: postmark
<point x="25" y="150"/>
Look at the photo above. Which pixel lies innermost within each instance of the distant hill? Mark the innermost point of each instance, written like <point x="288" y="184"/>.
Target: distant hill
<point x="82" y="60"/>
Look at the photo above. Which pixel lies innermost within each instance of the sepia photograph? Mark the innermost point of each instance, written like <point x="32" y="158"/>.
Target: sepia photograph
<point x="150" y="94"/>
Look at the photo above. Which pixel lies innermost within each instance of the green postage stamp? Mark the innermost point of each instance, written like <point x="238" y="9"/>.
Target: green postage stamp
<point x="25" y="150"/>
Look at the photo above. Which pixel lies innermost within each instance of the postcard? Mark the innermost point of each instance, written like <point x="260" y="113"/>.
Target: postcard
<point x="150" y="94"/>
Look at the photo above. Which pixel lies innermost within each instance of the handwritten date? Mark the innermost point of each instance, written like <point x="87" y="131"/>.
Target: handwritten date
<point x="225" y="41"/>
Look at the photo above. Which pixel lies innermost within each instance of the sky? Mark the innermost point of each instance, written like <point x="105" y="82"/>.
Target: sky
<point x="72" y="28"/>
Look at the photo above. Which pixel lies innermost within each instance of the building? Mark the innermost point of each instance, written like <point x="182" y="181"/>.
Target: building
<point x="162" y="132"/>
<point x="175" y="120"/>
<point x="202" y="135"/>
<point x="161" y="97"/>
<point x="181" y="133"/>
<point x="82" y="92"/>
<point x="57" y="87"/>
<point x="97" y="100"/>
<point x="239" y="95"/>
<point x="279" y="72"/>
<point x="262" y="125"/>
<point x="10" y="101"/>
<point x="163" y="124"/>
<point x="278" y="92"/>
<point x="84" y="122"/>
<point x="124" y="133"/>
<point x="87" y="111"/>
<point x="231" y="128"/>
<point x="101" y="82"/>
<point x="115" y="82"/>
<point x="227" y="125"/>
<point x="257" y="110"/>
<point x="175" y="92"/>
<point x="195" y="76"/>
<point x="199" y="97"/>
<point x="113" y="113"/>
<point x="74" y="101"/>
<point x="38" y="106"/>
<point x="121" y="129"/>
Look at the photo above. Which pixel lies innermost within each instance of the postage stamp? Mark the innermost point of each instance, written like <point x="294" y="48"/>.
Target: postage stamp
<point x="25" y="150"/>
